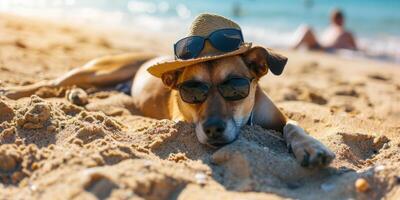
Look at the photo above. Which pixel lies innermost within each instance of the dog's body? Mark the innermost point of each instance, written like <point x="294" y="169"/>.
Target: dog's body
<point x="217" y="121"/>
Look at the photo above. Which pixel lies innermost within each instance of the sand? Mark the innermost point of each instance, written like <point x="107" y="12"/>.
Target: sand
<point x="51" y="148"/>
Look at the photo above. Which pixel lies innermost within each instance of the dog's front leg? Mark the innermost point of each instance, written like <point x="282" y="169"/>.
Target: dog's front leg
<point x="308" y="151"/>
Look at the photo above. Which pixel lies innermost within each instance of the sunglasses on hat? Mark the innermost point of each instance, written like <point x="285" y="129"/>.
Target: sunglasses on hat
<point x="225" y="40"/>
<point x="232" y="89"/>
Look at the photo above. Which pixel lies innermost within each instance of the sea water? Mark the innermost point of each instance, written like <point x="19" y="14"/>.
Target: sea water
<point x="375" y="23"/>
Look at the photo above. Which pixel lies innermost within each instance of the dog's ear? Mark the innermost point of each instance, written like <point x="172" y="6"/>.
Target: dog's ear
<point x="259" y="60"/>
<point x="170" y="79"/>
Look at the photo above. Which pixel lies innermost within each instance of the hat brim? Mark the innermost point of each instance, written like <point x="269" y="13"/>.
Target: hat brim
<point x="160" y="68"/>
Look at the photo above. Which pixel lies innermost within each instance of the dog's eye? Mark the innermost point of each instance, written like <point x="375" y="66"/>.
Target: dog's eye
<point x="194" y="92"/>
<point x="235" y="88"/>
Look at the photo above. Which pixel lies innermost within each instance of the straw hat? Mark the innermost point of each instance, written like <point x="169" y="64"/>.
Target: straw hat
<point x="203" y="25"/>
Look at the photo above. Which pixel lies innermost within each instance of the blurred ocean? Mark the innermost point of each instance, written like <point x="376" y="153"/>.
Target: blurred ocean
<point x="375" y="23"/>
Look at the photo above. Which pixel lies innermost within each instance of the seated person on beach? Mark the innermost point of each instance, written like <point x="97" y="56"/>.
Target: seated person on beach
<point x="334" y="37"/>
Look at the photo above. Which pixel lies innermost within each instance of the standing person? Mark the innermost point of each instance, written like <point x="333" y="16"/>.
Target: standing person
<point x="334" y="37"/>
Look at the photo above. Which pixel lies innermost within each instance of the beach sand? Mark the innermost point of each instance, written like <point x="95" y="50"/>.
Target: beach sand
<point x="52" y="149"/>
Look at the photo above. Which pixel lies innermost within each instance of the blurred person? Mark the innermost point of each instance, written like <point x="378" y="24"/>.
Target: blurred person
<point x="334" y="37"/>
<point x="237" y="10"/>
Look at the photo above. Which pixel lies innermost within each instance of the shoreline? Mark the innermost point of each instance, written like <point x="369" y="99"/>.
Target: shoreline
<point x="128" y="27"/>
<point x="104" y="150"/>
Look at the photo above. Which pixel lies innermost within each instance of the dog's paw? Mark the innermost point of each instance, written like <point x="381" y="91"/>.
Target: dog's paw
<point x="4" y="92"/>
<point x="311" y="153"/>
<point x="15" y="92"/>
<point x="8" y="93"/>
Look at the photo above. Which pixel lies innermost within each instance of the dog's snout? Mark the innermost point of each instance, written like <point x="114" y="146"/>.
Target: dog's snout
<point x="214" y="128"/>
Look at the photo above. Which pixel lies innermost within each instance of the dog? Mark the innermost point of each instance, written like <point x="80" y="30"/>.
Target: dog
<point x="217" y="118"/>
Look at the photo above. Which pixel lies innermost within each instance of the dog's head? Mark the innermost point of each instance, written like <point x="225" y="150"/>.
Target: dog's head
<point x="218" y="120"/>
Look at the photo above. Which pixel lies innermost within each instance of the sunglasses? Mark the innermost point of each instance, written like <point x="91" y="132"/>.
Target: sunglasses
<point x="225" y="40"/>
<point x="196" y="92"/>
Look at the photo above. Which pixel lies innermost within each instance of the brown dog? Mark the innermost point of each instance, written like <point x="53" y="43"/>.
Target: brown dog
<point x="212" y="82"/>
<point x="217" y="121"/>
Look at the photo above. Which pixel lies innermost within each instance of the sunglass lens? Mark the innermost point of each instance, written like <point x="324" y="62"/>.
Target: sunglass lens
<point x="226" y="39"/>
<point x="188" y="48"/>
<point x="194" y="92"/>
<point x="235" y="89"/>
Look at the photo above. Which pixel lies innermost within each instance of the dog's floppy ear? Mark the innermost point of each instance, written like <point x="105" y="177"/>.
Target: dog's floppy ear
<point x="170" y="79"/>
<point x="259" y="60"/>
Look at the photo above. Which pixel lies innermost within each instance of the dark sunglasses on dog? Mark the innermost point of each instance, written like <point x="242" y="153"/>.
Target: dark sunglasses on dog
<point x="196" y="92"/>
<point x="225" y="40"/>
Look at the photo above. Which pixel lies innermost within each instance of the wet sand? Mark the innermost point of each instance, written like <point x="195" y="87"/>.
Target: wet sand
<point x="51" y="148"/>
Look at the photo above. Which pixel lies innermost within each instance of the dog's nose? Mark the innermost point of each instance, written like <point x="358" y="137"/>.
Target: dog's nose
<point x="214" y="128"/>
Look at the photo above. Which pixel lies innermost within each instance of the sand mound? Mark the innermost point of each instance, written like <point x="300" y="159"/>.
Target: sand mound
<point x="101" y="157"/>
<point x="98" y="156"/>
